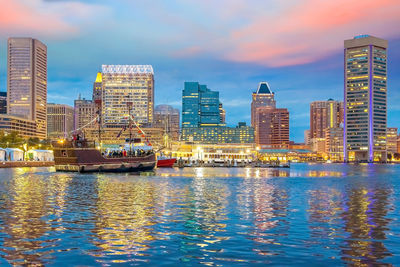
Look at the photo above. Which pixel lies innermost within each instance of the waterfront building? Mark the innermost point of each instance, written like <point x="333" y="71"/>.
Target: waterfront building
<point x="334" y="144"/>
<point x="222" y="114"/>
<point x="84" y="113"/>
<point x="24" y="127"/>
<point x="391" y="138"/>
<point x="27" y="81"/>
<point x="200" y="106"/>
<point x="3" y="102"/>
<point x="217" y="153"/>
<point x="263" y="97"/>
<point x="219" y="134"/>
<point x="167" y="118"/>
<point x="307" y="139"/>
<point x="272" y="127"/>
<point x="323" y="116"/>
<point x="365" y="70"/>
<point x="60" y="120"/>
<point x="97" y="87"/>
<point x="127" y="88"/>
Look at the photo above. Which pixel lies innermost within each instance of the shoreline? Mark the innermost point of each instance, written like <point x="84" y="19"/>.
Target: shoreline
<point x="20" y="164"/>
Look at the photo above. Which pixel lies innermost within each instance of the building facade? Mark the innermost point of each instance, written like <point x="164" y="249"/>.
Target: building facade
<point x="60" y="120"/>
<point x="391" y="138"/>
<point x="97" y="87"/>
<point x="84" y="114"/>
<point x="324" y="115"/>
<point x="24" y="127"/>
<point x="219" y="134"/>
<point x="365" y="70"/>
<point x="272" y="127"/>
<point x="127" y="88"/>
<point x="3" y="102"/>
<point x="334" y="144"/>
<point x="200" y="106"/>
<point x="27" y="81"/>
<point x="263" y="97"/>
<point x="166" y="117"/>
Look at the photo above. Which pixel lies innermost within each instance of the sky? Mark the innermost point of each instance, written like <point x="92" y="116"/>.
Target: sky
<point x="229" y="45"/>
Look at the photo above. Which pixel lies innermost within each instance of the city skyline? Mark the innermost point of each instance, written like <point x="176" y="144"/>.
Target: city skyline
<point x="78" y="49"/>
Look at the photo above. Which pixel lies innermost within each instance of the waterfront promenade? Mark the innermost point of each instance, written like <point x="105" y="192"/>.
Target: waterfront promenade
<point x="18" y="164"/>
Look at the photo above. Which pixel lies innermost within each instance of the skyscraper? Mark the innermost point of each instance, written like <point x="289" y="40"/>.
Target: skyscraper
<point x="97" y="87"/>
<point x="27" y="81"/>
<point x="391" y="138"/>
<point x="60" y="120"/>
<point x="200" y="106"/>
<point x="324" y="115"/>
<point x="84" y="113"/>
<point x="365" y="76"/>
<point x="3" y="102"/>
<point x="125" y="85"/>
<point x="166" y="117"/>
<point x="272" y="127"/>
<point x="263" y="97"/>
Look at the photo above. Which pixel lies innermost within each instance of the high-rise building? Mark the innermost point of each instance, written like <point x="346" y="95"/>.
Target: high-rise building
<point x="391" y="138"/>
<point x="60" y="120"/>
<point x="365" y="74"/>
<point x="307" y="139"/>
<point x="97" y="87"/>
<point x="127" y="87"/>
<point x="166" y="117"/>
<point x="200" y="106"/>
<point x="3" y="102"/>
<point x="263" y="97"/>
<point x="27" y="81"/>
<point x="334" y="143"/>
<point x="272" y="127"/>
<point x="324" y="115"/>
<point x="84" y="113"/>
<point x="222" y="114"/>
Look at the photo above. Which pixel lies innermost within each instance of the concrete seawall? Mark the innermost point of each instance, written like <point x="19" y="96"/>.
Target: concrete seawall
<point x="19" y="164"/>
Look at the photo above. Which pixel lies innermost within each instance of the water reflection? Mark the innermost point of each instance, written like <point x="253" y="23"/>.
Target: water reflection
<point x="124" y="217"/>
<point x="365" y="221"/>
<point x="310" y="213"/>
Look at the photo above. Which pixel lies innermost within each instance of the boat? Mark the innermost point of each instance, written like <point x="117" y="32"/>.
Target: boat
<point x="163" y="162"/>
<point x="82" y="156"/>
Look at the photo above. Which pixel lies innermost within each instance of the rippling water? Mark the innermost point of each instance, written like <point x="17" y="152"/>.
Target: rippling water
<point x="319" y="214"/>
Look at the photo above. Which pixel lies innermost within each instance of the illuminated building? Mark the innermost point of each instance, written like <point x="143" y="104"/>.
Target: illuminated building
<point x="222" y="114"/>
<point x="97" y="87"/>
<point x="365" y="70"/>
<point x="272" y="127"/>
<point x="263" y="97"/>
<point x="334" y="144"/>
<point x="27" y="81"/>
<point x="123" y="84"/>
<point x="3" y="102"/>
<point x="200" y="106"/>
<point x="219" y="135"/>
<point x="25" y="128"/>
<point x="84" y="113"/>
<point x="323" y="116"/>
<point x="307" y="138"/>
<point x="391" y="138"/>
<point x="166" y="117"/>
<point x="60" y="120"/>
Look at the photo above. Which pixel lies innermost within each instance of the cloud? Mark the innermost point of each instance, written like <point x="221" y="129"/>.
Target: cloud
<point x="44" y="19"/>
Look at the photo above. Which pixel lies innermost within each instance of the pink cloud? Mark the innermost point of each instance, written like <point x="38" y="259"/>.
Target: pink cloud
<point x="310" y="30"/>
<point x="40" y="18"/>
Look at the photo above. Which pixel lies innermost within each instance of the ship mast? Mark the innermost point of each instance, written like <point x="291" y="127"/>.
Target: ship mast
<point x="98" y="106"/>
<point x="129" y="105"/>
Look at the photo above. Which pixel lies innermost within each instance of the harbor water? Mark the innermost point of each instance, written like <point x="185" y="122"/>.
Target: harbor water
<point x="310" y="214"/>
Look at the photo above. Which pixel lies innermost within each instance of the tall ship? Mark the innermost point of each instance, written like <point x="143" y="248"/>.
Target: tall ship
<point x="83" y="156"/>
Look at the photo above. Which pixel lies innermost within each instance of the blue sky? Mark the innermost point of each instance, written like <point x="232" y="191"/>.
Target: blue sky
<point x="230" y="45"/>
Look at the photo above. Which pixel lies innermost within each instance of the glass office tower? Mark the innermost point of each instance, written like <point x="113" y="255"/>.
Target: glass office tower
<point x="263" y="97"/>
<point x="365" y="77"/>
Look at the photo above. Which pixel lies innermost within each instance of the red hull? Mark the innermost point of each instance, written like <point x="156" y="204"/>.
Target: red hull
<point x="166" y="163"/>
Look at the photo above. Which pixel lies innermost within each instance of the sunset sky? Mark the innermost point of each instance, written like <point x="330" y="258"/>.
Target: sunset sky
<point x="230" y="45"/>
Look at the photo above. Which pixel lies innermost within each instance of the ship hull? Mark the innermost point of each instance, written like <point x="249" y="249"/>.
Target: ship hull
<point x="166" y="163"/>
<point x="91" y="160"/>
